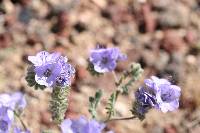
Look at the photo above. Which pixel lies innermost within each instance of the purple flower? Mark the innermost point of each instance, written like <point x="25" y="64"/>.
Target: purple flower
<point x="66" y="126"/>
<point x="6" y="113"/>
<point x="145" y="98"/>
<point x="19" y="99"/>
<point x="15" y="101"/>
<point x="167" y="95"/>
<point x="52" y="69"/>
<point x="8" y="104"/>
<point x="67" y="72"/>
<point x="81" y="125"/>
<point x="43" y="58"/>
<point x="6" y="101"/>
<point x="18" y="130"/>
<point x="46" y="74"/>
<point x="105" y="59"/>
<point x="6" y="119"/>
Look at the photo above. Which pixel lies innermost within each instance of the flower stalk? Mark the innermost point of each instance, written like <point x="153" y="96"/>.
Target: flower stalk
<point x="120" y="119"/>
<point x="21" y="121"/>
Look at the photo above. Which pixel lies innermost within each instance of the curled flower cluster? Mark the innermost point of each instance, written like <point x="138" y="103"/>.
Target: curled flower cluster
<point x="82" y="125"/>
<point x="9" y="106"/>
<point x="105" y="59"/>
<point x="158" y="93"/>
<point x="52" y="69"/>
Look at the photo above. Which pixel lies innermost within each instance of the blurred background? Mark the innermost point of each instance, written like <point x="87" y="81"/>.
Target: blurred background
<point x="162" y="35"/>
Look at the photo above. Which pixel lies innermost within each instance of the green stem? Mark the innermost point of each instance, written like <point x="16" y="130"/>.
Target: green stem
<point x="21" y="121"/>
<point x="120" y="119"/>
<point x="113" y="98"/>
<point x="112" y="102"/>
<point x="117" y="82"/>
<point x="123" y="77"/>
<point x="115" y="77"/>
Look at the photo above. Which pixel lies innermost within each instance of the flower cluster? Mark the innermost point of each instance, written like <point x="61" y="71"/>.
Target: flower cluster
<point x="82" y="125"/>
<point x="105" y="59"/>
<point x="52" y="69"/>
<point x="144" y="101"/>
<point x="158" y="93"/>
<point x="10" y="105"/>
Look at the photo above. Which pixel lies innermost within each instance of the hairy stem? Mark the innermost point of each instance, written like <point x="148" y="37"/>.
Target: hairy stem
<point x="120" y="119"/>
<point x="115" y="77"/>
<point x="21" y="121"/>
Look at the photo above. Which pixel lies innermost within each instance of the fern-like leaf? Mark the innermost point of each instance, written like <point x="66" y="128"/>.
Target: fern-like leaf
<point x="134" y="73"/>
<point x="111" y="104"/>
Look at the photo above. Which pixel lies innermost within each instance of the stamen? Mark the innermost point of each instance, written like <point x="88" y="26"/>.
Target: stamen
<point x="104" y="60"/>
<point x="47" y="73"/>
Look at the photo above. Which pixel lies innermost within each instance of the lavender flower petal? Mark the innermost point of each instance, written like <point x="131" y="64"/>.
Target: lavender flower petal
<point x="19" y="99"/>
<point x="6" y="119"/>
<point x="167" y="95"/>
<point x="39" y="59"/>
<point x="52" y="69"/>
<point x="81" y="125"/>
<point x="66" y="126"/>
<point x="105" y="60"/>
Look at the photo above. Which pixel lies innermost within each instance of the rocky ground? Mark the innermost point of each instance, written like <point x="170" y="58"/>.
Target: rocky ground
<point x="162" y="35"/>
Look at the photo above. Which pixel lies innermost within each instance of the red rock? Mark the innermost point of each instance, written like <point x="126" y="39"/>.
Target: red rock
<point x="170" y="129"/>
<point x="45" y="117"/>
<point x="149" y="19"/>
<point x="5" y="40"/>
<point x="172" y="42"/>
<point x="191" y="37"/>
<point x="81" y="72"/>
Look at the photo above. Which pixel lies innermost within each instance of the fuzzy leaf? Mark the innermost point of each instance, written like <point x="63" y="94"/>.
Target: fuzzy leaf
<point x="90" y="68"/>
<point x="134" y="73"/>
<point x="93" y="103"/>
<point x="111" y="104"/>
<point x="30" y="78"/>
<point x="47" y="131"/>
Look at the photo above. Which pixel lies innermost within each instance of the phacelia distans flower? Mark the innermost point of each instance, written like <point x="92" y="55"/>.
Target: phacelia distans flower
<point x="145" y="100"/>
<point x="19" y="99"/>
<point x="15" y="101"/>
<point x="9" y="104"/>
<point x="157" y="93"/>
<point x="167" y="95"/>
<point x="105" y="59"/>
<point x="81" y="125"/>
<point x="52" y="69"/>
<point x="6" y="119"/>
